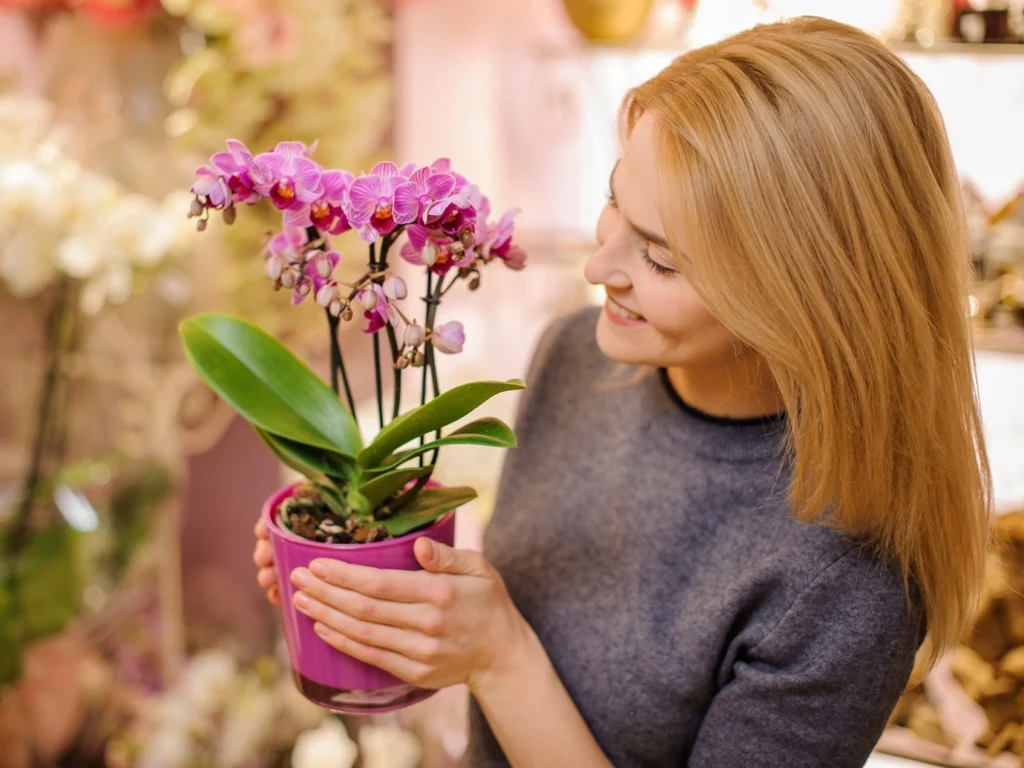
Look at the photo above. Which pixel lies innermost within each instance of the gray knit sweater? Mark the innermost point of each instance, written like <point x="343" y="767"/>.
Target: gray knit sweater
<point x="691" y="618"/>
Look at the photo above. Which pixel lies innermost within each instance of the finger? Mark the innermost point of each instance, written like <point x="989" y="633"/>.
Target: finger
<point x="407" y="642"/>
<point x="266" y="578"/>
<point x="263" y="554"/>
<point x="420" y="617"/>
<point x="380" y="583"/>
<point x="260" y="529"/>
<point x="274" y="595"/>
<point x="401" y="667"/>
<point x="440" y="558"/>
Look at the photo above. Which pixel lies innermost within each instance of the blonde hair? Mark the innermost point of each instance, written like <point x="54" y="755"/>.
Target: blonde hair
<point x="806" y="172"/>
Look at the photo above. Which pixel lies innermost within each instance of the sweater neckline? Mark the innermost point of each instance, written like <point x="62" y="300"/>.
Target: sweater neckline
<point x="713" y="437"/>
<point x="773" y="419"/>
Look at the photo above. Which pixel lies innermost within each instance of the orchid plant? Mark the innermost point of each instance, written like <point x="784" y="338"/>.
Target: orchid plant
<point x="356" y="492"/>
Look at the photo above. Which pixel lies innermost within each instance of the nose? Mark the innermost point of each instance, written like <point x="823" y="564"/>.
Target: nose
<point x="604" y="267"/>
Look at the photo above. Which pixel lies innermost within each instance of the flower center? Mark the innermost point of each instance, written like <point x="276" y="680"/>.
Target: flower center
<point x="383" y="212"/>
<point x="453" y="217"/>
<point x="285" y="189"/>
<point x="321" y="209"/>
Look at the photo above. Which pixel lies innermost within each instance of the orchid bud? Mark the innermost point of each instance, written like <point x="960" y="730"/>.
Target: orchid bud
<point x="402" y="363"/>
<point x="429" y="254"/>
<point x="414" y="335"/>
<point x="201" y="225"/>
<point x="368" y="298"/>
<point x="196" y="208"/>
<point x="303" y="288"/>
<point x="346" y="313"/>
<point x="395" y="288"/>
<point x="288" y="279"/>
<point x="448" y="337"/>
<point x="418" y="359"/>
<point x="274" y="266"/>
<point x="323" y="266"/>
<point x="456" y="248"/>
<point x="229" y="215"/>
<point x="335" y="308"/>
<point x="326" y="295"/>
<point x="466" y="237"/>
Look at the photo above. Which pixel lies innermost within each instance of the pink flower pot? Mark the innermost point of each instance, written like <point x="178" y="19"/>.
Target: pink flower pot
<point x="324" y="675"/>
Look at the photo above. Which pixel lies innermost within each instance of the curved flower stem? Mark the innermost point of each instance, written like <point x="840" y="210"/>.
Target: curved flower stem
<point x="396" y="406"/>
<point x="375" y="267"/>
<point x="338" y="363"/>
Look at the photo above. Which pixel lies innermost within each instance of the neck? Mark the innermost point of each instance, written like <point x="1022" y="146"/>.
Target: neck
<point x="739" y="390"/>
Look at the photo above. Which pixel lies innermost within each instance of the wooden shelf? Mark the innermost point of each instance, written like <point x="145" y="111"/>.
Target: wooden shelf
<point x="1004" y="340"/>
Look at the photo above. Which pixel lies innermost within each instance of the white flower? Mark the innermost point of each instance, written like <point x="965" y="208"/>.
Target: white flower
<point x="389" y="746"/>
<point x="327" y="746"/>
<point x="249" y="720"/>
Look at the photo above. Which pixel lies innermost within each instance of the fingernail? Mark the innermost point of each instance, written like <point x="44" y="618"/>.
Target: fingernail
<point x="300" y="577"/>
<point x="301" y="600"/>
<point x="319" y="628"/>
<point x="319" y="568"/>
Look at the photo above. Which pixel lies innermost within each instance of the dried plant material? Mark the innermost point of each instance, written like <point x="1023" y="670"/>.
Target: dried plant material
<point x="1000" y="709"/>
<point x="1012" y="664"/>
<point x="1003" y="740"/>
<point x="972" y="671"/>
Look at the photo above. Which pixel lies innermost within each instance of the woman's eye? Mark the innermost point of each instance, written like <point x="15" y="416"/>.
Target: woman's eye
<point x="659" y="269"/>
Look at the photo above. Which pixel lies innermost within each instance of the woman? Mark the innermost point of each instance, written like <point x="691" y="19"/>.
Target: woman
<point x="730" y="561"/>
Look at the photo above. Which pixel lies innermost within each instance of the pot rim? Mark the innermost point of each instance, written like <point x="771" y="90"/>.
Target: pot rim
<point x="269" y="513"/>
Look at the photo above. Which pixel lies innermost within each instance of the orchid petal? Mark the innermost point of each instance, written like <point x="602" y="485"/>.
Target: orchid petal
<point x="386" y="171"/>
<point x="440" y="185"/>
<point x="239" y="151"/>
<point x="363" y="194"/>
<point x="441" y="165"/>
<point x="407" y="203"/>
<point x="298" y="217"/>
<point x="411" y="254"/>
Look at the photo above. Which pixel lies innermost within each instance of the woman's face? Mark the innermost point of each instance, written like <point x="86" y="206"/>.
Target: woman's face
<point x="652" y="315"/>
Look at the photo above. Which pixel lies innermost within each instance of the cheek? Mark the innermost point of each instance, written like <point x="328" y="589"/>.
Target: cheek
<point x="673" y="308"/>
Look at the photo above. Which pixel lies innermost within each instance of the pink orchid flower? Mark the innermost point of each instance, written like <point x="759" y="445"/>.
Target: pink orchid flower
<point x="326" y="213"/>
<point x="500" y="242"/>
<point x="480" y="204"/>
<point x="424" y="186"/>
<point x="316" y="275"/>
<point x="451" y="215"/>
<point x="235" y="166"/>
<point x="371" y="202"/>
<point x="287" y="175"/>
<point x="283" y="250"/>
<point x="448" y="337"/>
<point x="440" y="258"/>
<point x="378" y="311"/>
<point x="210" y="188"/>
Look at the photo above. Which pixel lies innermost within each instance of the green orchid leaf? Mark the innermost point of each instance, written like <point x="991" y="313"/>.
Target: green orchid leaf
<point x="285" y="458"/>
<point x="381" y="487"/>
<point x="303" y="458"/>
<point x="441" y="411"/>
<point x="489" y="432"/>
<point x="429" y="504"/>
<point x="274" y="390"/>
<point x="331" y="496"/>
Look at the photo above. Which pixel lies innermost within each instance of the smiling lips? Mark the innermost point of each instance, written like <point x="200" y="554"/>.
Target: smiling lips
<point x="619" y="315"/>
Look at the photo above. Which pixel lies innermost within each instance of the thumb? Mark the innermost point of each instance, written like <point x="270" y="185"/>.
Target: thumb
<point x="440" y="558"/>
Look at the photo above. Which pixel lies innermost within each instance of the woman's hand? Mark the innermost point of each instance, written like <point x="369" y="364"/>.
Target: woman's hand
<point x="263" y="556"/>
<point x="450" y="623"/>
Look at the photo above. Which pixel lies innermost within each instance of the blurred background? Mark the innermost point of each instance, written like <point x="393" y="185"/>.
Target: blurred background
<point x="132" y="632"/>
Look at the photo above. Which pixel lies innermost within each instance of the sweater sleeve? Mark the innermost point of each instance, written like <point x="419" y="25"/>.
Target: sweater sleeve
<point x="819" y="687"/>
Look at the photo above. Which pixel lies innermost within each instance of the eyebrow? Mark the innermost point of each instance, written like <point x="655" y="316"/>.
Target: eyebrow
<point x="648" y="236"/>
